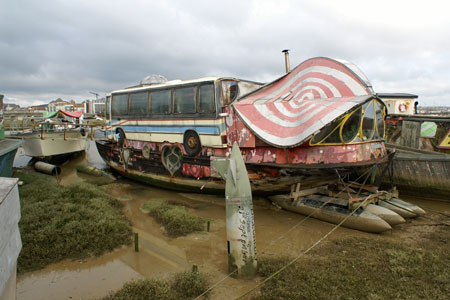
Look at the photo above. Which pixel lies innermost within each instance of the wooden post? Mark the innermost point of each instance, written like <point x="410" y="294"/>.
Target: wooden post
<point x="136" y="242"/>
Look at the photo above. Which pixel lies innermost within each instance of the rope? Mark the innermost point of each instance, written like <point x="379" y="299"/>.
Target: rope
<point x="306" y="251"/>
<point x="292" y="228"/>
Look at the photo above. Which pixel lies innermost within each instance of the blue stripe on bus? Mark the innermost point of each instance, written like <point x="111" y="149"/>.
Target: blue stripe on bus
<point x="172" y="129"/>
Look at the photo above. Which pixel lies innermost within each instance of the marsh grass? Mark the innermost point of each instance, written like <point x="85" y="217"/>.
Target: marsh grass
<point x="363" y="268"/>
<point x="71" y="222"/>
<point x="181" y="286"/>
<point x="176" y="220"/>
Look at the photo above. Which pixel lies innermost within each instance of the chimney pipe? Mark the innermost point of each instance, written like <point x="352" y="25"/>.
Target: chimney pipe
<point x="286" y="60"/>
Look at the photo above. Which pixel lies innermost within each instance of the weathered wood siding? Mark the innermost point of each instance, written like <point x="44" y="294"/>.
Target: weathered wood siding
<point x="10" y="241"/>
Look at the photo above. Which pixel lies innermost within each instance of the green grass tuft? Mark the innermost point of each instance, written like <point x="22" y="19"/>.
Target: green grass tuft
<point x="176" y="219"/>
<point x="66" y="222"/>
<point x="182" y="286"/>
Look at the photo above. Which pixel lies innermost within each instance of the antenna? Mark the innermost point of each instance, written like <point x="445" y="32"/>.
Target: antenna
<point x="96" y="95"/>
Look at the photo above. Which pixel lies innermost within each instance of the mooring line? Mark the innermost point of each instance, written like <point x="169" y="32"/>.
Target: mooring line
<point x="435" y="211"/>
<point x="292" y="228"/>
<point x="303" y="253"/>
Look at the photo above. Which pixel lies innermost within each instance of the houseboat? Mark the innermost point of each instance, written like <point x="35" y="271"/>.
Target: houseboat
<point x="316" y="124"/>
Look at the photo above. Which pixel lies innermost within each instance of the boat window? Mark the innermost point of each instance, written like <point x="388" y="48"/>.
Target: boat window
<point x="368" y="125"/>
<point x="380" y="119"/>
<point x="363" y="124"/>
<point x="160" y="102"/>
<point x="229" y="91"/>
<point x="206" y="99"/>
<point x="119" y="104"/>
<point x="334" y="137"/>
<point x="350" y="129"/>
<point x="108" y="107"/>
<point x="138" y="103"/>
<point x="326" y="131"/>
<point x="184" y="100"/>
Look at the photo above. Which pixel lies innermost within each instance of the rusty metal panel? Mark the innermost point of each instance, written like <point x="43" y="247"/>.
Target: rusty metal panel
<point x="238" y="132"/>
<point x="288" y="111"/>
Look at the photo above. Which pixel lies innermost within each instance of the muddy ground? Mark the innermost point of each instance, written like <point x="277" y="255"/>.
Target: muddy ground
<point x="278" y="232"/>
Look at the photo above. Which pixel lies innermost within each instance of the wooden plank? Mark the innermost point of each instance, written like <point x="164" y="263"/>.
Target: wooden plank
<point x="296" y="192"/>
<point x="410" y="134"/>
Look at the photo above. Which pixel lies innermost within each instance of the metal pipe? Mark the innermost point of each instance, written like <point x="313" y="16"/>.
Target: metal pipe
<point x="47" y="168"/>
<point x="286" y="60"/>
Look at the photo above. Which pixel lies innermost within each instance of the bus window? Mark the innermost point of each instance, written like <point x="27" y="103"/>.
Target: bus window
<point x="138" y="103"/>
<point x="184" y="100"/>
<point x="206" y="99"/>
<point x="108" y="108"/>
<point x="229" y="91"/>
<point x="160" y="102"/>
<point x="119" y="105"/>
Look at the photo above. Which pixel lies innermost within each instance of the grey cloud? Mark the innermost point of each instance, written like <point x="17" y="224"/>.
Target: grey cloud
<point x="65" y="49"/>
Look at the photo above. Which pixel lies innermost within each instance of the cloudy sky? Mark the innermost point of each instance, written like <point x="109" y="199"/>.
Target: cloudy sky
<point x="68" y="48"/>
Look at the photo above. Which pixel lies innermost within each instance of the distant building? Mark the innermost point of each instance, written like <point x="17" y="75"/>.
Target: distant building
<point x="10" y="107"/>
<point x="78" y="107"/>
<point x="42" y="107"/>
<point x="60" y="104"/>
<point x="400" y="103"/>
<point x="434" y="110"/>
<point x="95" y="107"/>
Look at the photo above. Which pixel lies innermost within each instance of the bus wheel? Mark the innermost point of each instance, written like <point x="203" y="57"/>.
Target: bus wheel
<point x="121" y="138"/>
<point x="191" y="143"/>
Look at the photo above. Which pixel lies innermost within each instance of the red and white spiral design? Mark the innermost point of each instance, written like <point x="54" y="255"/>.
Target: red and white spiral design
<point x="288" y="111"/>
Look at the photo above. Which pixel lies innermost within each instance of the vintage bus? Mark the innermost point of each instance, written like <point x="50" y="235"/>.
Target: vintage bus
<point x="319" y="119"/>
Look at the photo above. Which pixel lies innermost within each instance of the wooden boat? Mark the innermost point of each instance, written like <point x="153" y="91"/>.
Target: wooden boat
<point x="54" y="138"/>
<point x="421" y="172"/>
<point x="320" y="121"/>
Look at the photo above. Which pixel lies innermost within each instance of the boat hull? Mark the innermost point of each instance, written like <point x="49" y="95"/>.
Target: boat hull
<point x="195" y="174"/>
<point x="8" y="149"/>
<point x="53" y="144"/>
<point x="422" y="173"/>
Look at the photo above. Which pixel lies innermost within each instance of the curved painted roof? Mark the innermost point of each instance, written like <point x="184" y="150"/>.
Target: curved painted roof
<point x="288" y="111"/>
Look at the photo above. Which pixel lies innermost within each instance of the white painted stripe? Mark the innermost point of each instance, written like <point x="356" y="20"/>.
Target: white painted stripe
<point x="351" y="83"/>
<point x="316" y="107"/>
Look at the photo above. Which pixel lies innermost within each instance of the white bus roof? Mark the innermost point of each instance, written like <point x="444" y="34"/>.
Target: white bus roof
<point x="170" y="83"/>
